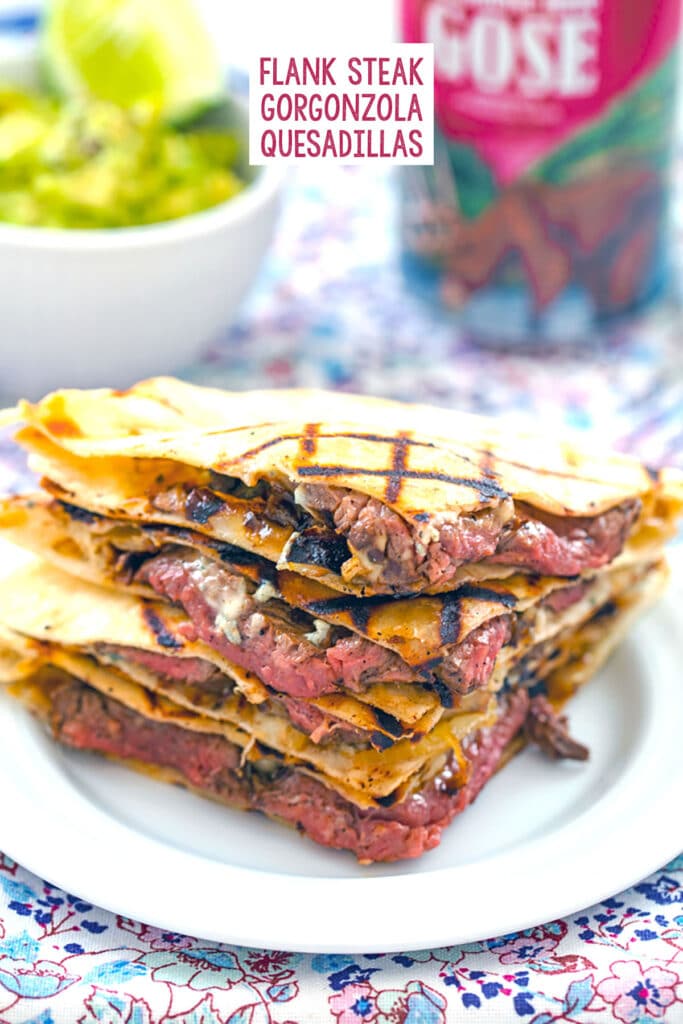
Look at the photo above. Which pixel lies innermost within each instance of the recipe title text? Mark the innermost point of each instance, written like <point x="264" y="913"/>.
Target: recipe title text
<point x="343" y="108"/>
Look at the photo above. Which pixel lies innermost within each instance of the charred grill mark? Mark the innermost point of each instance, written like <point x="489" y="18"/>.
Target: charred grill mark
<point x="488" y="489"/>
<point x="264" y="446"/>
<point x="179" y="533"/>
<point x="386" y="801"/>
<point x="387" y="723"/>
<point x="163" y="637"/>
<point x="129" y="562"/>
<point x="451" y="607"/>
<point x="382" y="439"/>
<point x="473" y="592"/>
<point x="360" y="617"/>
<point x="450" y="621"/>
<point x="335" y="605"/>
<point x="316" y="546"/>
<point x="381" y="742"/>
<point x="399" y="458"/>
<point x="411" y="442"/>
<point x="228" y="553"/>
<point x="310" y="438"/>
<point x="359" y="608"/>
<point x="235" y="430"/>
<point x="349" y="435"/>
<point x="312" y="434"/>
<point x="385" y="439"/>
<point x="425" y="668"/>
<point x="232" y="555"/>
<point x="201" y="504"/>
<point x="605" y="611"/>
<point x="537" y="470"/>
<point x="80" y="515"/>
<point x="443" y="693"/>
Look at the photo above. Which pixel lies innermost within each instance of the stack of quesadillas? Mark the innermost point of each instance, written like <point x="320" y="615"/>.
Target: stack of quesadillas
<point x="343" y="612"/>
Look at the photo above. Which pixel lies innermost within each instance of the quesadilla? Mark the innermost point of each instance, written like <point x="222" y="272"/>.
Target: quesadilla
<point x="382" y="805"/>
<point x="366" y="496"/>
<point x="347" y="615"/>
<point x="300" y="637"/>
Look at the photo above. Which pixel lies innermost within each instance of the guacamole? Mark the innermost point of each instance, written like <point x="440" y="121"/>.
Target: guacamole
<point x="91" y="164"/>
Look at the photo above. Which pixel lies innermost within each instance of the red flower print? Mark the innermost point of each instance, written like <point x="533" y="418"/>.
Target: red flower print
<point x="264" y="961"/>
<point x="635" y="992"/>
<point x="355" y="1004"/>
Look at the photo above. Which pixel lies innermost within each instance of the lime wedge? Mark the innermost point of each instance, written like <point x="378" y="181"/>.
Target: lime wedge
<point x="132" y="51"/>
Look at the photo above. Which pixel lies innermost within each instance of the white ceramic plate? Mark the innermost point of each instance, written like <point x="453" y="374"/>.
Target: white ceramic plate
<point x="543" y="839"/>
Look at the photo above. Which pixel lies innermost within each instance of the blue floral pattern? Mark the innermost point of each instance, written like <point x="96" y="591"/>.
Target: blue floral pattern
<point x="621" y="960"/>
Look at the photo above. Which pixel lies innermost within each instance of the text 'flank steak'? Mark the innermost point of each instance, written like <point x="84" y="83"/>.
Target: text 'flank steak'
<point x="347" y="613"/>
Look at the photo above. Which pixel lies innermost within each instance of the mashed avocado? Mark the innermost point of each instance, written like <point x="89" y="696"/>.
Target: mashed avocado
<point x="91" y="164"/>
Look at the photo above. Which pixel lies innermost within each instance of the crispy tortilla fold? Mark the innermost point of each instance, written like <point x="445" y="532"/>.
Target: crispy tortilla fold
<point x="369" y="774"/>
<point x="163" y="418"/>
<point x="43" y="604"/>
<point x="37" y="673"/>
<point x="65" y="621"/>
<point x="116" y="452"/>
<point x="419" y="629"/>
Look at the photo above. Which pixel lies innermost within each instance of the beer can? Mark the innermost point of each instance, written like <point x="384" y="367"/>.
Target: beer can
<point x="546" y="212"/>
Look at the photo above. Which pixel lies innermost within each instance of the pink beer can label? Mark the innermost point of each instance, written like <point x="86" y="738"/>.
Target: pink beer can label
<point x="554" y="137"/>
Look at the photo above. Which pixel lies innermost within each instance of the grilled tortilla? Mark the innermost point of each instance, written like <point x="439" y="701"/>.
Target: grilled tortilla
<point x="41" y="604"/>
<point x="90" y="633"/>
<point x="366" y="778"/>
<point x="366" y="496"/>
<point x="426" y="633"/>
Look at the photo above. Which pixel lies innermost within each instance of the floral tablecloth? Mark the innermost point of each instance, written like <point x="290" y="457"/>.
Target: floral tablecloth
<point x="332" y="309"/>
<point x="63" y="961"/>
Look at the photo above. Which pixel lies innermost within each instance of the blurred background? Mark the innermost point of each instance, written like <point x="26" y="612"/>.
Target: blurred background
<point x="330" y="302"/>
<point x="242" y="30"/>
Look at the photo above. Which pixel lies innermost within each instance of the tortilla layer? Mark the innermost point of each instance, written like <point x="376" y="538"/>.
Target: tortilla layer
<point x="366" y="777"/>
<point x="404" y="509"/>
<point x="298" y="653"/>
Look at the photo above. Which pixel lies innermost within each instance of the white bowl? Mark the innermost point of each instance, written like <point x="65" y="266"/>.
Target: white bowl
<point x="110" y="306"/>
